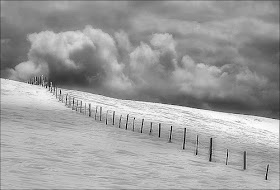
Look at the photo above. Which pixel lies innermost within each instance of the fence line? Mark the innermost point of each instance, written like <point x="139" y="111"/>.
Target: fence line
<point x="174" y="135"/>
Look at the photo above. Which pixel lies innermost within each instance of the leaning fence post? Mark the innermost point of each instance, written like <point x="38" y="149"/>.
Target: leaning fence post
<point x="170" y="135"/>
<point x="159" y="128"/>
<point x="210" y="149"/>
<point x="184" y="141"/>
<point x="120" y="121"/>
<point x="100" y="116"/>
<point x="244" y="160"/>
<point x="113" y="117"/>
<point x="266" y="173"/>
<point x="151" y="128"/>
<point x="126" y="121"/>
<point x="196" y="149"/>
<point x="142" y="125"/>
<point x="106" y="117"/>
<point x="133" y="124"/>
<point x="227" y="158"/>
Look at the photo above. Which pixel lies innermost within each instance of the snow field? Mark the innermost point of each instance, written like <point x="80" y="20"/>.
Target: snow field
<point x="45" y="145"/>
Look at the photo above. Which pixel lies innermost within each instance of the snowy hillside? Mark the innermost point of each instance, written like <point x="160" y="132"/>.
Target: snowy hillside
<point x="45" y="144"/>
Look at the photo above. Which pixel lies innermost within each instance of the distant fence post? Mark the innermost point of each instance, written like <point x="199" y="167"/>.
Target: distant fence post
<point x="120" y="121"/>
<point x="100" y="116"/>
<point x="77" y="105"/>
<point x="244" y="160"/>
<point x="159" y="129"/>
<point x="106" y="117"/>
<point x="133" y="124"/>
<point x="210" y="149"/>
<point x="227" y="158"/>
<point x="170" y="134"/>
<point x="114" y="117"/>
<point x="196" y="149"/>
<point x="142" y="125"/>
<point x="73" y="104"/>
<point x="56" y="93"/>
<point x="81" y="106"/>
<point x="89" y="110"/>
<point x="126" y="121"/>
<point x="151" y="128"/>
<point x="266" y="173"/>
<point x="184" y="141"/>
<point x="60" y="94"/>
<point x="66" y="100"/>
<point x="95" y="112"/>
<point x="85" y="109"/>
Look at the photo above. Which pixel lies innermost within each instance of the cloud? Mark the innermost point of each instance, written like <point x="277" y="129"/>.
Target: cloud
<point x="214" y="55"/>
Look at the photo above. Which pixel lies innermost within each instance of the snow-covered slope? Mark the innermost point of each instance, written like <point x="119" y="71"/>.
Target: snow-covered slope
<point x="45" y="144"/>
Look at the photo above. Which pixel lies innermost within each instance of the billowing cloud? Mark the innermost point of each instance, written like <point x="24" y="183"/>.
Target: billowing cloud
<point x="214" y="55"/>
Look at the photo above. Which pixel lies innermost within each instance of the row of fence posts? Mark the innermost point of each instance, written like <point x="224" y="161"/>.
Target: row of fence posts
<point x="41" y="80"/>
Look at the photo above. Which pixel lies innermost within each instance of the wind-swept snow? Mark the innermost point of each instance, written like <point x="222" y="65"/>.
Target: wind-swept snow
<point x="44" y="144"/>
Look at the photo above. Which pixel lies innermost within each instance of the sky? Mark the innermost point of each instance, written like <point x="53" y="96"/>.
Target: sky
<point x="216" y="55"/>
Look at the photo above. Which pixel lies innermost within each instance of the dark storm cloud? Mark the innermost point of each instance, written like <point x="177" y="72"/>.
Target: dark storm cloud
<point x="206" y="54"/>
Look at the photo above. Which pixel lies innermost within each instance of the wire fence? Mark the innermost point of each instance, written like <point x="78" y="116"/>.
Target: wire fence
<point x="188" y="139"/>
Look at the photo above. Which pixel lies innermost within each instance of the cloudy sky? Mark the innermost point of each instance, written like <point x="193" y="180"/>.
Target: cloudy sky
<point x="218" y="55"/>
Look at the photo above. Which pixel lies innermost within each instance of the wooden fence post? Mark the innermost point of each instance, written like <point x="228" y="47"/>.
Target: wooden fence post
<point x="77" y="105"/>
<point x="196" y="149"/>
<point x="126" y="121"/>
<point x="95" y="112"/>
<point x="60" y="94"/>
<point x="244" y="160"/>
<point x="142" y="125"/>
<point x="184" y="141"/>
<point x="120" y="121"/>
<point x="106" y="117"/>
<point x="100" y="116"/>
<point x="133" y="124"/>
<point x="73" y="104"/>
<point x="266" y="173"/>
<point x="170" y="134"/>
<point x="85" y="109"/>
<point x="227" y="158"/>
<point x="89" y="110"/>
<point x="66" y="100"/>
<point x="81" y="106"/>
<point x="151" y="128"/>
<point x="210" y="149"/>
<point x="114" y="117"/>
<point x="159" y="129"/>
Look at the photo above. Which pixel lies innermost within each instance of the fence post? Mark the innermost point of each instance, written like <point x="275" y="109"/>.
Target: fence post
<point x="114" y="117"/>
<point x="126" y="121"/>
<point x="142" y="125"/>
<point x="184" y="141"/>
<point x="120" y="121"/>
<point x="227" y="158"/>
<point x="95" y="112"/>
<point x="196" y="149"/>
<point x="85" y="109"/>
<point x="210" y="149"/>
<point x="266" y="173"/>
<point x="159" y="129"/>
<point x="66" y="100"/>
<point x="151" y="128"/>
<point x="77" y="104"/>
<point x="89" y="110"/>
<point x="133" y="124"/>
<point x="60" y="94"/>
<point x="73" y="104"/>
<point x="106" y="117"/>
<point x="170" y="134"/>
<point x="100" y="116"/>
<point x="244" y="159"/>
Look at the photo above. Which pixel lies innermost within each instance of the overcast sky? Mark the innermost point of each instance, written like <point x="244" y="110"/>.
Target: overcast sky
<point x="218" y="55"/>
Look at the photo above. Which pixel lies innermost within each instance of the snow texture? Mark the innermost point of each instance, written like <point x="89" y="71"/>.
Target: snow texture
<point x="45" y="144"/>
